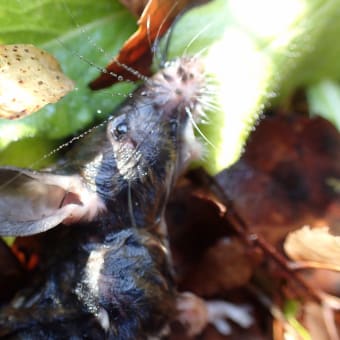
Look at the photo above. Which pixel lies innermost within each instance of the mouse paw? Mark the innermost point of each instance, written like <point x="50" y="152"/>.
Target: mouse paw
<point x="195" y="314"/>
<point x="219" y="310"/>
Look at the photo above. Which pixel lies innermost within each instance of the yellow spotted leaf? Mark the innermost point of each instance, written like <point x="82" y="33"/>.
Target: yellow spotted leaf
<point x="30" y="78"/>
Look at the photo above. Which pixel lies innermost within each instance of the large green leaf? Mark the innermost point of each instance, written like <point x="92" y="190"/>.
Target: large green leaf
<point x="76" y="33"/>
<point x="257" y="52"/>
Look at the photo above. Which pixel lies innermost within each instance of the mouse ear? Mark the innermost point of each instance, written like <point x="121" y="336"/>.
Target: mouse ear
<point x="32" y="202"/>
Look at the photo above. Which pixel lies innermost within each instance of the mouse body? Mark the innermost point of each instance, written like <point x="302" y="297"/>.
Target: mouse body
<point x="105" y="270"/>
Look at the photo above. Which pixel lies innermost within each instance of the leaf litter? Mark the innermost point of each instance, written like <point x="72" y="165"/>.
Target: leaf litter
<point x="278" y="186"/>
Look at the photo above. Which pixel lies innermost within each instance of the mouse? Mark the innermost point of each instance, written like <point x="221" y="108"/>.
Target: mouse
<point x="105" y="269"/>
<point x="144" y="145"/>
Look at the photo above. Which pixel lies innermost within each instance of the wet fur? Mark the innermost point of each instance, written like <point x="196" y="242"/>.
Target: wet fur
<point x="108" y="275"/>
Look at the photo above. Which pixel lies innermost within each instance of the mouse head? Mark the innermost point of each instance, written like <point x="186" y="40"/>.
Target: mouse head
<point x="133" y="165"/>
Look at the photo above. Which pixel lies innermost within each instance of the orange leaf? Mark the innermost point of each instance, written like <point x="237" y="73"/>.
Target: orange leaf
<point x="136" y="53"/>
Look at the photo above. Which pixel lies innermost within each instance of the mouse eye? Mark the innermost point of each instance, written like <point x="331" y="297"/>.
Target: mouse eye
<point x="119" y="130"/>
<point x="174" y="127"/>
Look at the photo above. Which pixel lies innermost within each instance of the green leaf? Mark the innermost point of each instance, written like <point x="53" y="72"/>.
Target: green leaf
<point x="291" y="309"/>
<point x="257" y="54"/>
<point x="30" y="152"/>
<point x="324" y="100"/>
<point x="76" y="33"/>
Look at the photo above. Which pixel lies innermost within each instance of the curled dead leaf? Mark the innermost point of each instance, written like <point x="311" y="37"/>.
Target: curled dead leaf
<point x="135" y="58"/>
<point x="30" y="78"/>
<point x="316" y="245"/>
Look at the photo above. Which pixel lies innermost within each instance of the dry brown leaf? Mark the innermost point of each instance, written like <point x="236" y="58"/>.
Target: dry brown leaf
<point x="30" y="78"/>
<point x="225" y="265"/>
<point x="316" y="245"/>
<point x="282" y="180"/>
